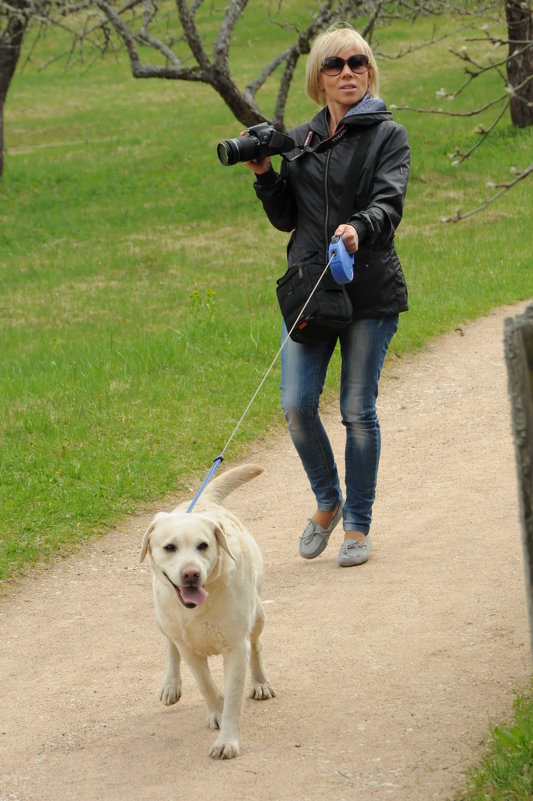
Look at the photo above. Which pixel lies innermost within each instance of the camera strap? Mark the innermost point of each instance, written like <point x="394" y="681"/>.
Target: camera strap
<point x="320" y="147"/>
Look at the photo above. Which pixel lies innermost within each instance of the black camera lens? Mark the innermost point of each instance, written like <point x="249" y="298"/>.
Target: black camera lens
<point x="244" y="148"/>
<point x="227" y="152"/>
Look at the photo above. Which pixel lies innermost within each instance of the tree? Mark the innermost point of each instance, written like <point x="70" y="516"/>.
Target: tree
<point x="520" y="60"/>
<point x="14" y="18"/>
<point x="214" y="69"/>
<point x="516" y="71"/>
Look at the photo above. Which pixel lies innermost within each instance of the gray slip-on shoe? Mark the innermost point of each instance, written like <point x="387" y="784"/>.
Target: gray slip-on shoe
<point x="315" y="538"/>
<point x="355" y="552"/>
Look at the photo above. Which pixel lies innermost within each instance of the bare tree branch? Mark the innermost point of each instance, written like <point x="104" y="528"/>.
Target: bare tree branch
<point x="458" y="216"/>
<point x="222" y="43"/>
<point x="194" y="40"/>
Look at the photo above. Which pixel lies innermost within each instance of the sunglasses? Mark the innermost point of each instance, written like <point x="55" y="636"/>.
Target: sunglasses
<point x="334" y="65"/>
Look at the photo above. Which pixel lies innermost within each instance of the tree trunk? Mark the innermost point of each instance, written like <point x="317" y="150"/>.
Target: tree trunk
<point x="2" y="101"/>
<point x="520" y="66"/>
<point x="10" y="44"/>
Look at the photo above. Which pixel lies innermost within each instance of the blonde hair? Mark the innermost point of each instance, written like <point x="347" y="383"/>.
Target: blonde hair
<point x="332" y="42"/>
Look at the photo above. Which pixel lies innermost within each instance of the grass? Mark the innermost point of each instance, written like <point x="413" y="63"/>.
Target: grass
<point x="505" y="772"/>
<point x="137" y="302"/>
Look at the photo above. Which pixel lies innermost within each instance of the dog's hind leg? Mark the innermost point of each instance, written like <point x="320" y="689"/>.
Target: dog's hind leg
<point x="261" y="688"/>
<point x="171" y="689"/>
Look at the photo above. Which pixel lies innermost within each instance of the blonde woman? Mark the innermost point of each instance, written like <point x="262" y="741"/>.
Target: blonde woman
<point x="304" y="198"/>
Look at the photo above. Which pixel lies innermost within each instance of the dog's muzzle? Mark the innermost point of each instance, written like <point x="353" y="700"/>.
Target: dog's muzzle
<point x="189" y="595"/>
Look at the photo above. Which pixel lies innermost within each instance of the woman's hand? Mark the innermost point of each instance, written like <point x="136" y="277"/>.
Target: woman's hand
<point x="349" y="237"/>
<point x="259" y="166"/>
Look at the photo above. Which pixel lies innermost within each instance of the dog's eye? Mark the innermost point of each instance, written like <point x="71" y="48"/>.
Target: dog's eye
<point x="170" y="547"/>
<point x="203" y="546"/>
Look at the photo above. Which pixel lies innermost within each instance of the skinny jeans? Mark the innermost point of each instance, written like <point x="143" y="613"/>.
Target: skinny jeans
<point x="363" y="346"/>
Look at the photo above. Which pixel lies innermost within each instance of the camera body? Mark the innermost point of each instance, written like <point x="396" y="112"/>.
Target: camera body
<point x="258" y="142"/>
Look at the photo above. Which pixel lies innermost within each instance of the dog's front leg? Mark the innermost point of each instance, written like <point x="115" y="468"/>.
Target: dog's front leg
<point x="171" y="689"/>
<point x="213" y="699"/>
<point x="226" y="746"/>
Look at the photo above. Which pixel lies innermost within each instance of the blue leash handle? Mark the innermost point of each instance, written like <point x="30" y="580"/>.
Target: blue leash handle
<point x="207" y="479"/>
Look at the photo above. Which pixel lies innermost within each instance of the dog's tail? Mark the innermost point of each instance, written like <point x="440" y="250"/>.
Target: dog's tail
<point x="221" y="486"/>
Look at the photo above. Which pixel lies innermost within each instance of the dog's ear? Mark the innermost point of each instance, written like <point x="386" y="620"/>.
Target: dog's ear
<point x="220" y="535"/>
<point x="222" y="541"/>
<point x="147" y="535"/>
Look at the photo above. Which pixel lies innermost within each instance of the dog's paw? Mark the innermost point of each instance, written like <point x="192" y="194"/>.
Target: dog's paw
<point x="170" y="692"/>
<point x="262" y="691"/>
<point x="224" y="749"/>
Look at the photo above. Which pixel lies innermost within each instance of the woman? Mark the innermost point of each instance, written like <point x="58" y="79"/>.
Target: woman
<point x="341" y="77"/>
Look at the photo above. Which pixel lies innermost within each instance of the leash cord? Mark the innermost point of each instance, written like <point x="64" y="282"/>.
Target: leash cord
<point x="220" y="458"/>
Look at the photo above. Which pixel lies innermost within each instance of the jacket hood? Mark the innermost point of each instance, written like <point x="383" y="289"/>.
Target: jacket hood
<point x="368" y="105"/>
<point x="368" y="111"/>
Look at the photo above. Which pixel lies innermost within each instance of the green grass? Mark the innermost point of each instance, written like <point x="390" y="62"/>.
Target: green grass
<point x="505" y="771"/>
<point x="137" y="275"/>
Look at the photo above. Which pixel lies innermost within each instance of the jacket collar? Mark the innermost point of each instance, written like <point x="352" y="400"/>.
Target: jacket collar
<point x="368" y="111"/>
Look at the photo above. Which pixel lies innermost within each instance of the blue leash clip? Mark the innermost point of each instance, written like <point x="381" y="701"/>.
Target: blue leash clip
<point x="341" y="262"/>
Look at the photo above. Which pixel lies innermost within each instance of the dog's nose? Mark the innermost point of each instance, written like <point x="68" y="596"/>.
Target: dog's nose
<point x="190" y="573"/>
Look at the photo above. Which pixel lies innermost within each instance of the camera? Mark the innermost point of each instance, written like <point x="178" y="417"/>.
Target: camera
<point x="259" y="141"/>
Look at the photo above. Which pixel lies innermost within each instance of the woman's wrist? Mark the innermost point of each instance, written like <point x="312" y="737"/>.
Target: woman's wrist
<point x="266" y="178"/>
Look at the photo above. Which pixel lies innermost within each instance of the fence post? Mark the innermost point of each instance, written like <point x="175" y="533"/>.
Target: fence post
<point x="518" y="344"/>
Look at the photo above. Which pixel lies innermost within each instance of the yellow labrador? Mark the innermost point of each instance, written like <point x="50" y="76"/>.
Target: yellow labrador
<point x="206" y="576"/>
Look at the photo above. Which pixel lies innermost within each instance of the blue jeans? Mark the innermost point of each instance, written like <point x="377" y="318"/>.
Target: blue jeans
<point x="364" y="345"/>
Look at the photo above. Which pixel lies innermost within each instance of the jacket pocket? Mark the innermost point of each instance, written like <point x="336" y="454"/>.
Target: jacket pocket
<point x="378" y="280"/>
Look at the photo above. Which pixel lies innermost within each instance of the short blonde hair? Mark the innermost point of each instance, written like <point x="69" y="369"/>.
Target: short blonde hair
<point x="332" y="42"/>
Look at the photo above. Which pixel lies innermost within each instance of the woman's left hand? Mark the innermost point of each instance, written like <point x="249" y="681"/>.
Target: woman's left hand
<point x="349" y="237"/>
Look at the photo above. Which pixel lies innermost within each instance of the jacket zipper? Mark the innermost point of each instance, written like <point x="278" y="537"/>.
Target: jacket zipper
<point x="326" y="222"/>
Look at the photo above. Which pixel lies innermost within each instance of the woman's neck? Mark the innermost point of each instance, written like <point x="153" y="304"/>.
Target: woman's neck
<point x="336" y="113"/>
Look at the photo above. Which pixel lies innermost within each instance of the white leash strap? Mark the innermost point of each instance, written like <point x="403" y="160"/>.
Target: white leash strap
<point x="220" y="458"/>
<point x="277" y="355"/>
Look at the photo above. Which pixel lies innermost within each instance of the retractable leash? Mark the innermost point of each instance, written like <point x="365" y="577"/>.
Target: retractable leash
<point x="341" y="263"/>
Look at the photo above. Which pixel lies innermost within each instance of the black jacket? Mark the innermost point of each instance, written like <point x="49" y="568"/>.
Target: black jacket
<point x="305" y="198"/>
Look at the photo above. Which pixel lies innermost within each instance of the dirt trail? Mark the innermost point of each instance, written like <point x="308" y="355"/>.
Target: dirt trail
<point x="387" y="674"/>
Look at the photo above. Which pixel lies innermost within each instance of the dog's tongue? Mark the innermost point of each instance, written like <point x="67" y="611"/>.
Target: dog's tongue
<point x="193" y="595"/>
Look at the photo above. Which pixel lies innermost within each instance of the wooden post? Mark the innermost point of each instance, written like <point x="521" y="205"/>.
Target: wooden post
<point x="518" y="342"/>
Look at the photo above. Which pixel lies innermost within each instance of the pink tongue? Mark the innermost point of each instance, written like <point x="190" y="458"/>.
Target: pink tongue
<point x="193" y="595"/>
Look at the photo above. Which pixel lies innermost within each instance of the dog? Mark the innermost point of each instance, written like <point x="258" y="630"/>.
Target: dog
<point x="206" y="576"/>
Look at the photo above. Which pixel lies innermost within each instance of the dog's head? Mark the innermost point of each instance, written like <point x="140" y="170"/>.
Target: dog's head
<point x="186" y="551"/>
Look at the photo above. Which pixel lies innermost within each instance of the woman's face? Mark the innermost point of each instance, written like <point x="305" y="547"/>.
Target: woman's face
<point x="346" y="88"/>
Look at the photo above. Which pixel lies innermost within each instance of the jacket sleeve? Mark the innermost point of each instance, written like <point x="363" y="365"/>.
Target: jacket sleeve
<point x="274" y="191"/>
<point x="379" y="220"/>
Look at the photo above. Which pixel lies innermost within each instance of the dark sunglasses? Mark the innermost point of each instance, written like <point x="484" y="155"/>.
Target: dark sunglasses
<point x="334" y="65"/>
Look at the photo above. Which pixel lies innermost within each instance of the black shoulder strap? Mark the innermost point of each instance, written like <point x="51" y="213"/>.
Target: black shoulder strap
<point x="362" y="144"/>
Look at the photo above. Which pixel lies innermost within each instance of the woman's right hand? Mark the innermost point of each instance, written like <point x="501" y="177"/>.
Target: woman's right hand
<point x="258" y="166"/>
